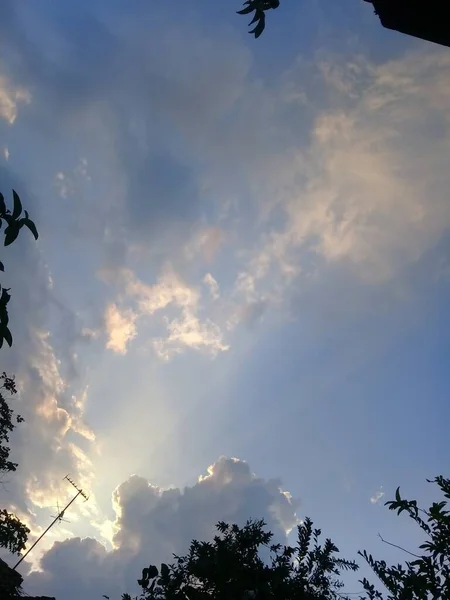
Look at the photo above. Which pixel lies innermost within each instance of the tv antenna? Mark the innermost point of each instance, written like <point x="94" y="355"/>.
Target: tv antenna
<point x="59" y="517"/>
<point x="60" y="514"/>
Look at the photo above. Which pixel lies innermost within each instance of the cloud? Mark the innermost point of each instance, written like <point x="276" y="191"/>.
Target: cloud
<point x="63" y="185"/>
<point x="359" y="200"/>
<point x="153" y="523"/>
<point x="66" y="184"/>
<point x="205" y="243"/>
<point x="209" y="280"/>
<point x="377" y="496"/>
<point x="170" y="292"/>
<point x="120" y="328"/>
<point x="316" y="186"/>
<point x="11" y="96"/>
<point x="189" y="331"/>
<point x="54" y="438"/>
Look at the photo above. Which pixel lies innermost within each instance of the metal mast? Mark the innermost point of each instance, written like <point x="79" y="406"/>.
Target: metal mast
<point x="58" y="516"/>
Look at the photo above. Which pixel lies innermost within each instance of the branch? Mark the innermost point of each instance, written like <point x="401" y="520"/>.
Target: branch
<point x="399" y="547"/>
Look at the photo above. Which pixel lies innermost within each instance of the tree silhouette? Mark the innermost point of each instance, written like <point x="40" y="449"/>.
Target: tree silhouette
<point x="13" y="533"/>
<point x="428" y="575"/>
<point x="231" y="567"/>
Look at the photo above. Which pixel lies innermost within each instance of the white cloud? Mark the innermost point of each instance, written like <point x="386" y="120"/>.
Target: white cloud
<point x="213" y="286"/>
<point x="153" y="523"/>
<point x="66" y="184"/>
<point x="6" y="153"/>
<point x="188" y="330"/>
<point x="54" y="439"/>
<point x="63" y="185"/>
<point x="120" y="326"/>
<point x="361" y="195"/>
<point x="377" y="496"/>
<point x="10" y="98"/>
<point x="82" y="169"/>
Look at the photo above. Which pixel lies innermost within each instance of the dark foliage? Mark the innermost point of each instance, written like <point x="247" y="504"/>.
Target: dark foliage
<point x="231" y="567"/>
<point x="428" y="575"/>
<point x="7" y="422"/>
<point x="259" y="7"/>
<point x="13" y="533"/>
<point x="14" y="223"/>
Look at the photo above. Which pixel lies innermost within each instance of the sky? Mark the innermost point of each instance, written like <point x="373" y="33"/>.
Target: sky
<point x="237" y="305"/>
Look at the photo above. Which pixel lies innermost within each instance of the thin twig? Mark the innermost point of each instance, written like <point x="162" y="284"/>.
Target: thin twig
<point x="399" y="547"/>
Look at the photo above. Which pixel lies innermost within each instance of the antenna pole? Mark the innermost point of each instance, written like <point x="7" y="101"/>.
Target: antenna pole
<point x="79" y="493"/>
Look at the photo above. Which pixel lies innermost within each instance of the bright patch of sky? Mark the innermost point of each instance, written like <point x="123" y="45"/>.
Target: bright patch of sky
<point x="243" y="252"/>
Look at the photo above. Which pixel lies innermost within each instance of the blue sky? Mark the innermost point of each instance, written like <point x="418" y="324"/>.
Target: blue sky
<point x="244" y="252"/>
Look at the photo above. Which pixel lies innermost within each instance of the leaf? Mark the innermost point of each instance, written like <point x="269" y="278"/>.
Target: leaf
<point x="17" y="205"/>
<point x="2" y="205"/>
<point x="257" y="31"/>
<point x="11" y="233"/>
<point x="5" y="297"/>
<point x="4" y="318"/>
<point x="7" y="335"/>
<point x="164" y="570"/>
<point x="152" y="571"/>
<point x="245" y="11"/>
<point x="2" y="268"/>
<point x="31" y="226"/>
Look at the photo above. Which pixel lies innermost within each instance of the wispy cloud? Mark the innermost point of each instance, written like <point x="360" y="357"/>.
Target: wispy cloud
<point x="170" y="292"/>
<point x="212" y="285"/>
<point x="11" y="96"/>
<point x="120" y="328"/>
<point x="377" y="496"/>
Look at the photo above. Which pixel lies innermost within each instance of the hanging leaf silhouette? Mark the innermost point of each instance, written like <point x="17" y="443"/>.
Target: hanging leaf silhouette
<point x="7" y="336"/>
<point x="13" y="226"/>
<point x="11" y="233"/>
<point x="17" y="210"/>
<point x="2" y="205"/>
<point x="31" y="226"/>
<point x="259" y="7"/>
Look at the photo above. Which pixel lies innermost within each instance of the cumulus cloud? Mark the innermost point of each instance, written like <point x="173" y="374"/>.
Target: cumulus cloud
<point x="153" y="523"/>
